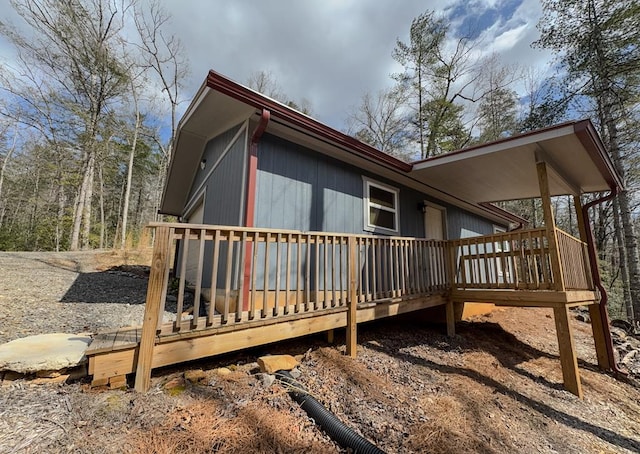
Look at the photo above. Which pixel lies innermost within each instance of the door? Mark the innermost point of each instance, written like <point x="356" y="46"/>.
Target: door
<point x="434" y="222"/>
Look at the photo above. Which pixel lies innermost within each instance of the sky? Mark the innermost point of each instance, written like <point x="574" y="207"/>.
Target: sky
<point x="330" y="51"/>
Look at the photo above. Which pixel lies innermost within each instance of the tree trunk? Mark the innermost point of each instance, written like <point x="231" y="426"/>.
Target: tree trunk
<point x="86" y="214"/>
<point x="622" y="257"/>
<point x="127" y="193"/>
<point x="101" y="206"/>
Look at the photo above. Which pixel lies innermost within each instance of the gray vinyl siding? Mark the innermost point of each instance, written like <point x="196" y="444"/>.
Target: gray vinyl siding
<point x="224" y="187"/>
<point x="462" y="224"/>
<point x="300" y="189"/>
<point x="223" y="199"/>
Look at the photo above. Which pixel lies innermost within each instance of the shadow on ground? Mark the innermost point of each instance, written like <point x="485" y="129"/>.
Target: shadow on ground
<point x="506" y="348"/>
<point x="110" y="286"/>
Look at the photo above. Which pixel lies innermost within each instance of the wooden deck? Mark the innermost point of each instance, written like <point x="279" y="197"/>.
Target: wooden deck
<point x="113" y="355"/>
<point x="272" y="285"/>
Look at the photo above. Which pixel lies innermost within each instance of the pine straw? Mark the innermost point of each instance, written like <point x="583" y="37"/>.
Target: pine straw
<point x="202" y="427"/>
<point x="448" y="431"/>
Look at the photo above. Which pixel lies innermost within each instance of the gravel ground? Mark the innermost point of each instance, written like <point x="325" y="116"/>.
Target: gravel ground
<point x="496" y="387"/>
<point x="70" y="292"/>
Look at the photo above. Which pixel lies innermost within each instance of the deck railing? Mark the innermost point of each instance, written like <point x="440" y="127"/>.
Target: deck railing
<point x="231" y="275"/>
<point x="574" y="260"/>
<point x="520" y="260"/>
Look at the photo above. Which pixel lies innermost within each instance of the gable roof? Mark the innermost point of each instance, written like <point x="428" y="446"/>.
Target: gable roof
<point x="221" y="103"/>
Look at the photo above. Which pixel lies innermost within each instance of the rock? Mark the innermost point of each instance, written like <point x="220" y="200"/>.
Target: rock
<point x="618" y="335"/>
<point x="622" y="324"/>
<point x="44" y="352"/>
<point x="272" y="364"/>
<point x="295" y="373"/>
<point x="266" y="379"/>
<point x="195" y="376"/>
<point x="222" y="371"/>
<point x="582" y="317"/>
<point x="175" y="386"/>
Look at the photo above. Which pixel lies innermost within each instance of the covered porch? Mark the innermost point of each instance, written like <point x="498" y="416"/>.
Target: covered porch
<point x="543" y="267"/>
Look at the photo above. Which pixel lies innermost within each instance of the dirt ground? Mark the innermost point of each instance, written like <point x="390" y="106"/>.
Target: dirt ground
<point x="496" y="387"/>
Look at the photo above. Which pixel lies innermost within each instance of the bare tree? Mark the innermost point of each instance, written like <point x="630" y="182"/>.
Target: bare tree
<point x="163" y="55"/>
<point x="382" y="121"/>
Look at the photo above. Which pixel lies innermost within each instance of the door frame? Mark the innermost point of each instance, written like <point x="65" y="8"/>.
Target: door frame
<point x="443" y="211"/>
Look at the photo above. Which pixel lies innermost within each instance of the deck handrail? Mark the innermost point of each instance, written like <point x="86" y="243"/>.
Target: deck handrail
<point x="574" y="260"/>
<point x="249" y="273"/>
<point x="520" y="260"/>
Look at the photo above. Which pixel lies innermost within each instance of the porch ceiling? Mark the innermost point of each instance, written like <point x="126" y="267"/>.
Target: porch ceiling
<point x="506" y="170"/>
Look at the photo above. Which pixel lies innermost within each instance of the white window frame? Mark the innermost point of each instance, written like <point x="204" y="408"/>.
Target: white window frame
<point x="368" y="225"/>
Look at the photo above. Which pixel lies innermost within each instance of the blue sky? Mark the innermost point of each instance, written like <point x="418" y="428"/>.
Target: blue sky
<point x="330" y="51"/>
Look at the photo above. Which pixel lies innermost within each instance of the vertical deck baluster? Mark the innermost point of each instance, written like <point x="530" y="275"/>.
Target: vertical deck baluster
<point x="317" y="272"/>
<point x="366" y="271"/>
<point x="375" y="268"/>
<point x="288" y="276"/>
<point x="341" y="276"/>
<point x="198" y="291"/>
<point x="265" y="292"/>
<point x="276" y="303"/>
<point x="307" y="284"/>
<point x="254" y="274"/>
<point x="325" y="267"/>
<point x="214" y="279"/>
<point x="240" y="299"/>
<point x="299" y="290"/>
<point x="333" y="271"/>
<point x="546" y="263"/>
<point x="228" y="271"/>
<point x="181" y="285"/>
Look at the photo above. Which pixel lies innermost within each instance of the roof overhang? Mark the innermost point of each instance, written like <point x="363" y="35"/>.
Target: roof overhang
<point x="506" y="170"/>
<point x="499" y="171"/>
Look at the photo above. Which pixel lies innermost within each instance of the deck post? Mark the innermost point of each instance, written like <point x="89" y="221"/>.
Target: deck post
<point x="157" y="277"/>
<point x="451" y="317"/>
<point x="567" y="348"/>
<point x="597" y="326"/>
<point x="550" y="226"/>
<point x="597" y="323"/>
<point x="352" y="312"/>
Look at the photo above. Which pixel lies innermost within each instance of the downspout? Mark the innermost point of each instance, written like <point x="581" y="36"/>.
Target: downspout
<point x="595" y="273"/>
<point x="249" y="213"/>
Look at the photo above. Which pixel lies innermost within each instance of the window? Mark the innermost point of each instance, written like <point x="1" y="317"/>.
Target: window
<point x="380" y="207"/>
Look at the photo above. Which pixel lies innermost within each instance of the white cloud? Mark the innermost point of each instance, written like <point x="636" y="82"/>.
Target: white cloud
<point x="329" y="52"/>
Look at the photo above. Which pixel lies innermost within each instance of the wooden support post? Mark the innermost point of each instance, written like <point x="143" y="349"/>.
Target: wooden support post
<point x="157" y="278"/>
<point x="566" y="345"/>
<point x="598" y="327"/>
<point x="550" y="225"/>
<point x="577" y="203"/>
<point x="451" y="318"/>
<point x="352" y="312"/>
<point x="330" y="336"/>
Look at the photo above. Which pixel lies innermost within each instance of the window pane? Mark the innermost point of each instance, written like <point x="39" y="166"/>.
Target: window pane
<point x="382" y="218"/>
<point x="381" y="197"/>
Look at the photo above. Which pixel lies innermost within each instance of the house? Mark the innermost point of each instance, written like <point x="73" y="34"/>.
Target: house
<point x="289" y="227"/>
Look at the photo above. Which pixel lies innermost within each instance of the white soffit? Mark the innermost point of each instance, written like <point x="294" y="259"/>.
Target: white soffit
<point x="506" y="170"/>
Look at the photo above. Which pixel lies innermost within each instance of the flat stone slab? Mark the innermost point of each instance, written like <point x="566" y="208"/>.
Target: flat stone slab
<point x="54" y="351"/>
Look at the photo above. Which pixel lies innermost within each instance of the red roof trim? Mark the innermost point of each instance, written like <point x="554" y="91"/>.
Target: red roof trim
<point x="590" y="139"/>
<point x="495" y="142"/>
<point x="230" y="88"/>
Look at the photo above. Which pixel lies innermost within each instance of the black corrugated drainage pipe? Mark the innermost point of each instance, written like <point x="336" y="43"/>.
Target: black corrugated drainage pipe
<point x="329" y="422"/>
<point x="595" y="273"/>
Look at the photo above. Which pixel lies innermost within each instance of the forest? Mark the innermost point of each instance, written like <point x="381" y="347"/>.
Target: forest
<point x="90" y="101"/>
